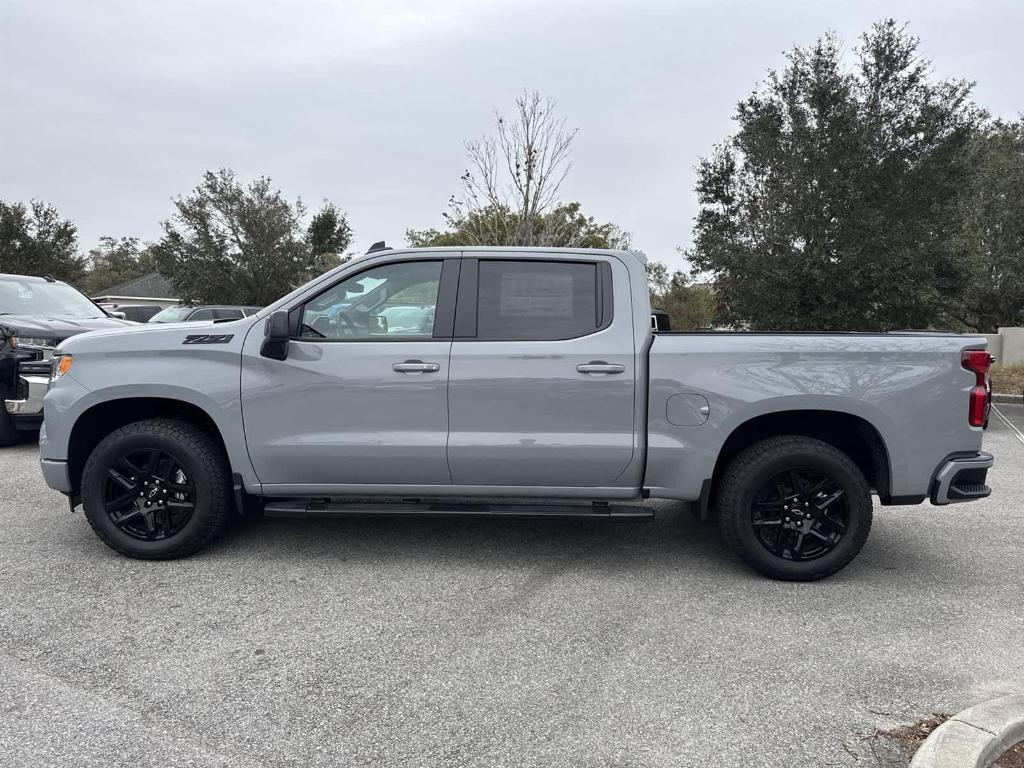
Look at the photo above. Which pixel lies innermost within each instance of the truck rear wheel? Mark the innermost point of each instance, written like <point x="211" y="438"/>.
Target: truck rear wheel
<point x="794" y="508"/>
<point x="157" y="489"/>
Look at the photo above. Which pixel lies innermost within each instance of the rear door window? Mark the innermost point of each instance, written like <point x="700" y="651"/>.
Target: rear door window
<point x="536" y="300"/>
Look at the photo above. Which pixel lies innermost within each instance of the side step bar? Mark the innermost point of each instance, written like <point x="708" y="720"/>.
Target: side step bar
<point x="330" y="508"/>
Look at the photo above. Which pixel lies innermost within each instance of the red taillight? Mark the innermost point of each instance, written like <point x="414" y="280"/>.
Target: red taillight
<point x="977" y="361"/>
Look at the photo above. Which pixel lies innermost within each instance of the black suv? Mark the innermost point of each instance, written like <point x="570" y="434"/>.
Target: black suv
<point x="37" y="313"/>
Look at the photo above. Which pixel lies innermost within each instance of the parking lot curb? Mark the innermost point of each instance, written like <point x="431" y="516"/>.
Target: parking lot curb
<point x="1008" y="399"/>
<point x="976" y="737"/>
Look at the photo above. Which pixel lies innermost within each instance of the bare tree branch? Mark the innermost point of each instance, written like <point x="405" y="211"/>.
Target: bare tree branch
<point x="518" y="171"/>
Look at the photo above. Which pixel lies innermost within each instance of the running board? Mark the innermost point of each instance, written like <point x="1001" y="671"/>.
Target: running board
<point x="328" y="508"/>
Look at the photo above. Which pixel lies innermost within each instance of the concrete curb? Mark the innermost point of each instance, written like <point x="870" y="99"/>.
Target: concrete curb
<point x="976" y="737"/>
<point x="1008" y="399"/>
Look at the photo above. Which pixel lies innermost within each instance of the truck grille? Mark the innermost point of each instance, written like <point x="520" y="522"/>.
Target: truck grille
<point x="34" y="368"/>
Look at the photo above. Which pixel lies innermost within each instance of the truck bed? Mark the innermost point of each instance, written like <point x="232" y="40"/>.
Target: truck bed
<point x="909" y="386"/>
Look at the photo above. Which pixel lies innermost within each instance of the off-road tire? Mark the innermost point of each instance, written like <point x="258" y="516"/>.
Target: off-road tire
<point x="754" y="467"/>
<point x="207" y="465"/>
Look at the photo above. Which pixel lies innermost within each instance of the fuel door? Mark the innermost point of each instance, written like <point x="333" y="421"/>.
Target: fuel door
<point x="687" y="410"/>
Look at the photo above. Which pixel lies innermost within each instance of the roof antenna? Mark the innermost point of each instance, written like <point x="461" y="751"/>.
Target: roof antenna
<point x="50" y="278"/>
<point x="380" y="245"/>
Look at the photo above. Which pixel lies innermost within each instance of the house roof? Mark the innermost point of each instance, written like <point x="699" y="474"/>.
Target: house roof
<point x="151" y="286"/>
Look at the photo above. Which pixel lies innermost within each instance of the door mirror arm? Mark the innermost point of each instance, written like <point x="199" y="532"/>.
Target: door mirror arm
<point x="276" y="335"/>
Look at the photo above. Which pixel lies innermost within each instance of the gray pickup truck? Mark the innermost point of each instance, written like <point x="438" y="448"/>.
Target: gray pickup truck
<point x="509" y="381"/>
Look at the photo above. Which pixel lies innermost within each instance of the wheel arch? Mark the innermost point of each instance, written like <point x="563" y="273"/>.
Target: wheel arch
<point x="853" y="435"/>
<point x="99" y="420"/>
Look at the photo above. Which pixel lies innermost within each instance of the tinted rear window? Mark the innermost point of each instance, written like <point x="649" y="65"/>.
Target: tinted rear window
<point x="175" y="314"/>
<point x="536" y="300"/>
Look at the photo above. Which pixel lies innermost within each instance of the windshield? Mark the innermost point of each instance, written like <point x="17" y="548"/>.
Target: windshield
<point x="171" y="315"/>
<point x="44" y="299"/>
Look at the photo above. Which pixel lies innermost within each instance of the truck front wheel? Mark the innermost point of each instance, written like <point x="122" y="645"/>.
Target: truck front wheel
<point x="794" y="508"/>
<point x="157" y="489"/>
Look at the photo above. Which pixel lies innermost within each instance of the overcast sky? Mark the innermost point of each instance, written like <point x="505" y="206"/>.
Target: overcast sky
<point x="110" y="109"/>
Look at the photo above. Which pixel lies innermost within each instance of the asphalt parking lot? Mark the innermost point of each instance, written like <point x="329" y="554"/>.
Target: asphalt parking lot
<point x="418" y="642"/>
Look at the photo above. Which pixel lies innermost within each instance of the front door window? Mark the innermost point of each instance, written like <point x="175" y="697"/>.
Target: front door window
<point x="390" y="302"/>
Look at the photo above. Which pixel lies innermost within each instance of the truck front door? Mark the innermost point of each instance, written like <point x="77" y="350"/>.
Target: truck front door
<point x="542" y="385"/>
<point x="361" y="399"/>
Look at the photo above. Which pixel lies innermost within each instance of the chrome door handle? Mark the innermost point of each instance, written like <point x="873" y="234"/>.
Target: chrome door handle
<point x="599" y="366"/>
<point x="416" y="366"/>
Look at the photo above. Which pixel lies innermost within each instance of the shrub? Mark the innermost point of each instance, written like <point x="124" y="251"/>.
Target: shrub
<point x="1008" y="379"/>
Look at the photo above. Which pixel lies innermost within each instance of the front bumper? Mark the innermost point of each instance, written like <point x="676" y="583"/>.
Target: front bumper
<point x="29" y="407"/>
<point x="962" y="478"/>
<point x="56" y="475"/>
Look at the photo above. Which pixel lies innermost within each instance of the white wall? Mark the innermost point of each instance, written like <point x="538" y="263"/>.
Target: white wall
<point x="1012" y="351"/>
<point x="995" y="345"/>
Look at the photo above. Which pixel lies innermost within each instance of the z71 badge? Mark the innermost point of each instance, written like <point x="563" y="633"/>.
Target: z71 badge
<point x="209" y="338"/>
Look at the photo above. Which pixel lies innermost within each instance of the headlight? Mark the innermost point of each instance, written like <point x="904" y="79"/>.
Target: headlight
<point x="61" y="364"/>
<point x="29" y="341"/>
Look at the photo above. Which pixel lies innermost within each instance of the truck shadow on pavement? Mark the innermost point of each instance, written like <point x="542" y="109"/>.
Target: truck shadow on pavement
<point x="673" y="534"/>
<point x="671" y="541"/>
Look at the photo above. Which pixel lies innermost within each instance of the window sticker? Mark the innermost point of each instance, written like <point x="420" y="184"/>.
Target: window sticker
<point x="536" y="295"/>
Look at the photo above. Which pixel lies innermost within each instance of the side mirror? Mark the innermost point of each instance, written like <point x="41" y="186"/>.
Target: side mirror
<point x="276" y="334"/>
<point x="378" y="325"/>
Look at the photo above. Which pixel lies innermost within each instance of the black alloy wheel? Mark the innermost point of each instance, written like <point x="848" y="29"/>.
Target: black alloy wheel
<point x="148" y="495"/>
<point x="800" y="514"/>
<point x="794" y="507"/>
<point x="158" y="488"/>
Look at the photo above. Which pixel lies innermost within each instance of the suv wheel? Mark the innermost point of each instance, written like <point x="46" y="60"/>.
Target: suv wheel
<point x="157" y="489"/>
<point x="794" y="508"/>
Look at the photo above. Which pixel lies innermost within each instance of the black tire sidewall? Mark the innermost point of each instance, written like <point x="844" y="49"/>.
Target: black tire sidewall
<point x="858" y="496"/>
<point x="121" y="443"/>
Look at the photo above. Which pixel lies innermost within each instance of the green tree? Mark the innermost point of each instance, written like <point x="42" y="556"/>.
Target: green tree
<point x="565" y="226"/>
<point x="115" y="261"/>
<point x="328" y="231"/>
<point x="510" y="194"/>
<point x="835" y="203"/>
<point x="35" y="240"/>
<point x="327" y="237"/>
<point x="229" y="242"/>
<point x="690" y="307"/>
<point x="993" y="230"/>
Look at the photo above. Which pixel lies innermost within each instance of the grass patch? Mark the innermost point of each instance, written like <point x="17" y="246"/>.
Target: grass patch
<point x="1008" y="379"/>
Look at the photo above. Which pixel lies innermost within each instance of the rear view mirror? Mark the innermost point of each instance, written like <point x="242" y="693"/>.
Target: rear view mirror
<point x="276" y="335"/>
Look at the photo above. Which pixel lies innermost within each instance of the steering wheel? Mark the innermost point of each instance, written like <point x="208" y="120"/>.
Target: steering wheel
<point x="321" y="326"/>
<point x="346" y="325"/>
<point x="311" y="329"/>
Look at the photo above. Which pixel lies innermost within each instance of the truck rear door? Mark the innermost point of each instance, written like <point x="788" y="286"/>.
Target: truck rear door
<point x="542" y="378"/>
